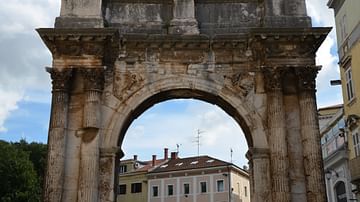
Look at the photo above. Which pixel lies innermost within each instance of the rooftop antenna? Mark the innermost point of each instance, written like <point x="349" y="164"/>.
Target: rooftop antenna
<point x="178" y="148"/>
<point x="231" y="154"/>
<point x="197" y="141"/>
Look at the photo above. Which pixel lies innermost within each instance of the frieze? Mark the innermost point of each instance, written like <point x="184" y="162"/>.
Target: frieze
<point x="60" y="78"/>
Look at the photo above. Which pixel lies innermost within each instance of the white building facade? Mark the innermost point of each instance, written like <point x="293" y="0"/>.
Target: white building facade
<point x="335" y="156"/>
<point x="198" y="179"/>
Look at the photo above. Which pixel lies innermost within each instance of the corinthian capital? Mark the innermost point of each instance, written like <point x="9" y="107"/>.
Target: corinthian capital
<point x="93" y="78"/>
<point x="60" y="78"/>
<point x="307" y="76"/>
<point x="273" y="78"/>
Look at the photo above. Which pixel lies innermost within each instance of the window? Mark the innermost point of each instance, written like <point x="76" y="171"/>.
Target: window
<point x="203" y="187"/>
<point x="356" y="141"/>
<point x="343" y="32"/>
<point x="136" y="187"/>
<point x="349" y="84"/>
<point x="194" y="162"/>
<point x="186" y="188"/>
<point x="220" y="185"/>
<point x="123" y="169"/>
<point x="122" y="189"/>
<point x="245" y="191"/>
<point x="170" y="190"/>
<point x="155" y="191"/>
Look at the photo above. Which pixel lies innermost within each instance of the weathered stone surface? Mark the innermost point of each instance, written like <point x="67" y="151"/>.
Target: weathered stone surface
<point x="246" y="56"/>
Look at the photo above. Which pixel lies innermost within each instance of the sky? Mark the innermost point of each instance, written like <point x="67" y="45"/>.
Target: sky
<point x="25" y="91"/>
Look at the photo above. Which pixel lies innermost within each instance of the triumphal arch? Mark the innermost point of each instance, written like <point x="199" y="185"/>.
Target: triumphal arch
<point x="113" y="59"/>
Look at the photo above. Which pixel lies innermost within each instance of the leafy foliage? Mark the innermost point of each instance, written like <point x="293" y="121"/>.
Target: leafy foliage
<point x="21" y="171"/>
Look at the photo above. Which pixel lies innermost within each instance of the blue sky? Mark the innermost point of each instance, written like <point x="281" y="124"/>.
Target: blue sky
<point x="25" y="91"/>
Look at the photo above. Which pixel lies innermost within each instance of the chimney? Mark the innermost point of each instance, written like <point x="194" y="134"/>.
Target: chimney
<point x="135" y="157"/>
<point x="166" y="153"/>
<point x="174" y="155"/>
<point x="153" y="160"/>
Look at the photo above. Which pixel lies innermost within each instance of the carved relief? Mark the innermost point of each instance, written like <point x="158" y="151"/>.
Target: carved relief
<point x="243" y="82"/>
<point x="60" y="78"/>
<point x="125" y="83"/>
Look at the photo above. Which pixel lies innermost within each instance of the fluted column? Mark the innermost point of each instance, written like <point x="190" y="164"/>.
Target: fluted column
<point x="315" y="183"/>
<point x="108" y="174"/>
<point x="89" y="163"/>
<point x="260" y="175"/>
<point x="277" y="135"/>
<point x="54" y="177"/>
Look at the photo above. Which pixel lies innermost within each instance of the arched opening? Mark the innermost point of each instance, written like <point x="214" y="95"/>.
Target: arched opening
<point x="186" y="94"/>
<point x="225" y="147"/>
<point x="340" y="192"/>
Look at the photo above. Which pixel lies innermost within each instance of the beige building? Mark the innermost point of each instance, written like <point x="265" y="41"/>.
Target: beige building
<point x="347" y="17"/>
<point x="133" y="184"/>
<point x="198" y="179"/>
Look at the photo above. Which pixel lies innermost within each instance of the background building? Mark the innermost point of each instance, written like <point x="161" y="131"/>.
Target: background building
<point x="335" y="154"/>
<point x="133" y="183"/>
<point x="347" y="18"/>
<point x="200" y="179"/>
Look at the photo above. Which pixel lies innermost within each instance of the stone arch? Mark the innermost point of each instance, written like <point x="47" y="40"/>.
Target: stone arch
<point x="172" y="49"/>
<point x="239" y="109"/>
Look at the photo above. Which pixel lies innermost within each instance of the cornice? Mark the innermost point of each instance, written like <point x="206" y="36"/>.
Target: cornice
<point x="78" y="42"/>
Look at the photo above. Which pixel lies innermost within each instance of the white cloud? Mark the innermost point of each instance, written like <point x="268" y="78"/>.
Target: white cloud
<point x="324" y="17"/>
<point x="8" y="102"/>
<point x="219" y="132"/>
<point x="22" y="54"/>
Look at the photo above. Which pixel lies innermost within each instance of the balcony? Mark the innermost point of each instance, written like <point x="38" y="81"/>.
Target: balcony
<point x="355" y="169"/>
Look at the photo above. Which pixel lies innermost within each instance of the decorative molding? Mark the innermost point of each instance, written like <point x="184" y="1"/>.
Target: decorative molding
<point x="78" y="42"/>
<point x="307" y="76"/>
<point x="60" y="78"/>
<point x="273" y="78"/>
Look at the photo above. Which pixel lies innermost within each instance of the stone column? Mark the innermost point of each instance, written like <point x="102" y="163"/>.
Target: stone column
<point x="184" y="21"/>
<point x="286" y="8"/>
<point x="260" y="175"/>
<point x="54" y="177"/>
<point x="277" y="135"/>
<point x="108" y="174"/>
<point x="315" y="183"/>
<point x="80" y="14"/>
<point x="89" y="163"/>
<point x="295" y="150"/>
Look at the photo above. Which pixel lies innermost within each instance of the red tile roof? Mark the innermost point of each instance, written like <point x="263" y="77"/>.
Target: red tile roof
<point x="190" y="163"/>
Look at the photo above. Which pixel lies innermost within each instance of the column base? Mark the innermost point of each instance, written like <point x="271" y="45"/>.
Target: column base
<point x="184" y="27"/>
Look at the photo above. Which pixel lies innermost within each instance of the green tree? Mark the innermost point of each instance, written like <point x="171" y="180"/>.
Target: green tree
<point x="37" y="155"/>
<point x="18" y="179"/>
